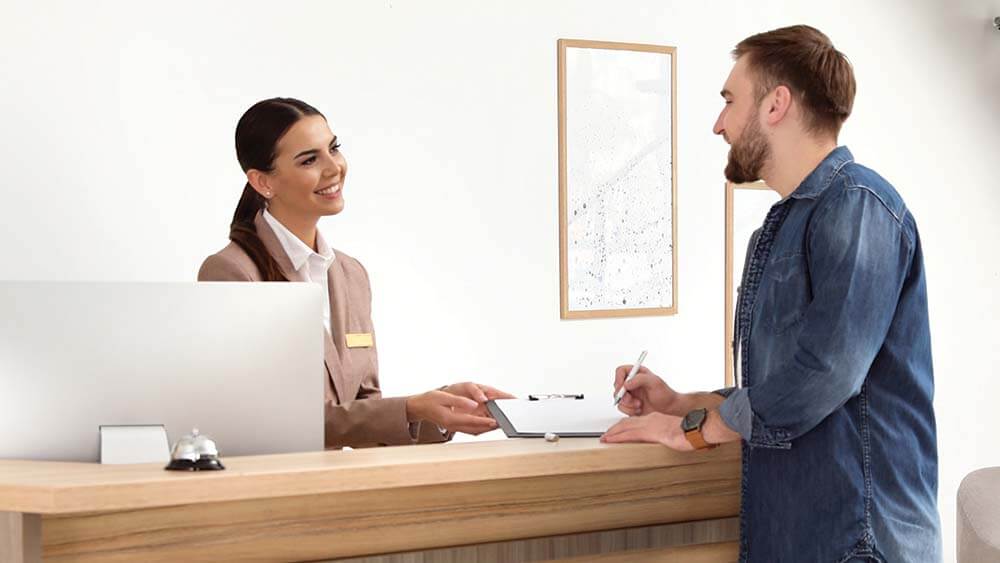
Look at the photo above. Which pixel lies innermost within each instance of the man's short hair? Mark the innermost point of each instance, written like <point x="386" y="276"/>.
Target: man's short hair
<point x="803" y="59"/>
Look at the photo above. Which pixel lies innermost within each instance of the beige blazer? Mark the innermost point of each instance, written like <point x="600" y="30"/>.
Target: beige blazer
<point x="356" y="413"/>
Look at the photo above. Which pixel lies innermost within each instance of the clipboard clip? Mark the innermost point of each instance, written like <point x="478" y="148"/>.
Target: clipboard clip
<point x="547" y="396"/>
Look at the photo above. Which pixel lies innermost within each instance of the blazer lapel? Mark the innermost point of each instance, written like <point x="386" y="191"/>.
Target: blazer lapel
<point x="273" y="246"/>
<point x="330" y="352"/>
<point x="340" y="316"/>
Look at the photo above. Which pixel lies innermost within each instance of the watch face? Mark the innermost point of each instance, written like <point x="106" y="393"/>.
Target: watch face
<point x="693" y="420"/>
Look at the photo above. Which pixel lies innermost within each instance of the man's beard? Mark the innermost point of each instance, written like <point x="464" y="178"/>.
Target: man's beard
<point x="748" y="154"/>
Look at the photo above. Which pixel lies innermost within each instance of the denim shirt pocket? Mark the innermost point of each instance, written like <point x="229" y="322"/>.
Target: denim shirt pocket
<point x="786" y="294"/>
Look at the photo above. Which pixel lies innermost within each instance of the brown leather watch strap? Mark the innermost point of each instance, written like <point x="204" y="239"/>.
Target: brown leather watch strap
<point x="695" y="438"/>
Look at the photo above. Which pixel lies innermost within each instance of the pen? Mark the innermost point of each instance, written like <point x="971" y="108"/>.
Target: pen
<point x="631" y="374"/>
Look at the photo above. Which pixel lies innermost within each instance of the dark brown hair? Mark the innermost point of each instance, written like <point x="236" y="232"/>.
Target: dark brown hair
<point x="803" y="59"/>
<point x="257" y="136"/>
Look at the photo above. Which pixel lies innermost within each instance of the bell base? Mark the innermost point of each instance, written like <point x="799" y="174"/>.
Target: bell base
<point x="200" y="465"/>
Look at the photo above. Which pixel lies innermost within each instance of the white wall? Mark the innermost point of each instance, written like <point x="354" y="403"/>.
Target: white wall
<point x="118" y="164"/>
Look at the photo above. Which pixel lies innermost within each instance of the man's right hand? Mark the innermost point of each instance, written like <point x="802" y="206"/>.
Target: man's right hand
<point x="645" y="393"/>
<point x="449" y="411"/>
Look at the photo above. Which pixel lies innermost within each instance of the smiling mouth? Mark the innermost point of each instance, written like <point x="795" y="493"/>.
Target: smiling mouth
<point x="329" y="190"/>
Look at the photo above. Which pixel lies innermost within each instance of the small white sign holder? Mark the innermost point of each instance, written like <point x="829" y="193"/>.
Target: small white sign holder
<point x="134" y="444"/>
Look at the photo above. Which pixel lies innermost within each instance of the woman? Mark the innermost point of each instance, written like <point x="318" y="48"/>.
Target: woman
<point x="295" y="175"/>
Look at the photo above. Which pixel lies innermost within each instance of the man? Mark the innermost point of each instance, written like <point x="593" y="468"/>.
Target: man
<point x="835" y="412"/>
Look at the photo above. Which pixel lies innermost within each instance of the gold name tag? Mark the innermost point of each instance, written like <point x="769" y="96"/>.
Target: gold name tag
<point x="360" y="340"/>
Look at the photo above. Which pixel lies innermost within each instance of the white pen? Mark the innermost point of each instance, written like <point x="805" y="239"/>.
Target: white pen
<point x="631" y="374"/>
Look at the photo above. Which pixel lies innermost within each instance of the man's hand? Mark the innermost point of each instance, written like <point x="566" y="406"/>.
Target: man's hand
<point x="655" y="428"/>
<point x="646" y="393"/>
<point x="666" y="429"/>
<point x="449" y="411"/>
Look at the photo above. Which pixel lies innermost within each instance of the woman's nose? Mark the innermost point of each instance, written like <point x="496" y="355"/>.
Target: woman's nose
<point x="333" y="167"/>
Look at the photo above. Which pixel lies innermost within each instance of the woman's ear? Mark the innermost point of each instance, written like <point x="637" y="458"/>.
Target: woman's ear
<point x="261" y="183"/>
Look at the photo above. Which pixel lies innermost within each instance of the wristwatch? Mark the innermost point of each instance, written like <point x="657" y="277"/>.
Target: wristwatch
<point x="691" y="425"/>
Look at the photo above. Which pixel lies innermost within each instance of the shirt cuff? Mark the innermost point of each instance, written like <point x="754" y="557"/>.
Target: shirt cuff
<point x="414" y="428"/>
<point x="736" y="413"/>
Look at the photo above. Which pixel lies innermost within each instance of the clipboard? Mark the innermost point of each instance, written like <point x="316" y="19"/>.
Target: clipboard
<point x="582" y="418"/>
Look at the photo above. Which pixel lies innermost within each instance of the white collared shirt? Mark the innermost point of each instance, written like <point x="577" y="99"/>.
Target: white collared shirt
<point x="316" y="264"/>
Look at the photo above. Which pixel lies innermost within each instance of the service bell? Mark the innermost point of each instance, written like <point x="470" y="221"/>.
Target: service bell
<point x="195" y="452"/>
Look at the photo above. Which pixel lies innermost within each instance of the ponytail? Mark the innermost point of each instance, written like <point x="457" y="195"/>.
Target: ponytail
<point x="257" y="135"/>
<point x="243" y="232"/>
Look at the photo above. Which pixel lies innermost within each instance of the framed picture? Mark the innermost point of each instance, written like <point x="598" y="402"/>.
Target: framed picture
<point x="746" y="207"/>
<point x="617" y="179"/>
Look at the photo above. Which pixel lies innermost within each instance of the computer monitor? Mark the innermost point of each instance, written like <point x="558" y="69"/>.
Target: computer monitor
<point x="242" y="362"/>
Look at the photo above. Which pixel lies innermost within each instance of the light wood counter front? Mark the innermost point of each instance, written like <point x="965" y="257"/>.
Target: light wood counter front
<point x="325" y="505"/>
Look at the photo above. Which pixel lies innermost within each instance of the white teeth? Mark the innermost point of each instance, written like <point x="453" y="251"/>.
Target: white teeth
<point x="327" y="191"/>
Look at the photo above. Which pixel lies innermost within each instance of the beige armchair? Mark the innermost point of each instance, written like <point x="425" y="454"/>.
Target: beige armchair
<point x="979" y="517"/>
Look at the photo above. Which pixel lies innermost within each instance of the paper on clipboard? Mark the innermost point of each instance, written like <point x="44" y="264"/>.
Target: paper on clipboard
<point x="566" y="417"/>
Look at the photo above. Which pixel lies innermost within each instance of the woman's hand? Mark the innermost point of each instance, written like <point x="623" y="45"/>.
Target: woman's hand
<point x="478" y="393"/>
<point x="646" y="393"/>
<point x="449" y="411"/>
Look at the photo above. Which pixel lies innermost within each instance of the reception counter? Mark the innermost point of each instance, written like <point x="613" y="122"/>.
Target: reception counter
<point x="511" y="500"/>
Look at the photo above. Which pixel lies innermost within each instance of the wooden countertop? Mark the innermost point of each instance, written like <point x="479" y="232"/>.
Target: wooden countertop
<point x="64" y="488"/>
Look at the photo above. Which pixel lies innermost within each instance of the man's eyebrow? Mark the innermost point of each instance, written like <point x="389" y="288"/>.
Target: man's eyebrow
<point x="725" y="93"/>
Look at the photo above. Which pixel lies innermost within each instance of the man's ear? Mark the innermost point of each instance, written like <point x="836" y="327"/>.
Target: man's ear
<point x="261" y="182"/>
<point x="778" y="103"/>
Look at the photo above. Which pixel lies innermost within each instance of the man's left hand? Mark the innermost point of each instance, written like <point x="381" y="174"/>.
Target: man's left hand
<point x="655" y="428"/>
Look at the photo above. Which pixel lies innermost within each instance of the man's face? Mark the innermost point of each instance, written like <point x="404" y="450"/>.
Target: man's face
<point x="739" y="125"/>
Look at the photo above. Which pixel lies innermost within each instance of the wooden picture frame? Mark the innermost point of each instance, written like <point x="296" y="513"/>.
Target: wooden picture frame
<point x="742" y="218"/>
<point x="615" y="100"/>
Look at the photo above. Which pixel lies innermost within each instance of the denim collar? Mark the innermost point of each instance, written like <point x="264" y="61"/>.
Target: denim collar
<point x="820" y="178"/>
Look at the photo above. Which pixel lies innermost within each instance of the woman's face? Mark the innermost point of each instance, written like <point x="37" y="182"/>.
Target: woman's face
<point x="307" y="179"/>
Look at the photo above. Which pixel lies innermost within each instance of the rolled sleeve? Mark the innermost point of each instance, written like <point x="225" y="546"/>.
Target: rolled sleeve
<point x="736" y="413"/>
<point x="725" y="391"/>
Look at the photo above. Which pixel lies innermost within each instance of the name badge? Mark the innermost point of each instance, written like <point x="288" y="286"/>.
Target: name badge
<point x="360" y="340"/>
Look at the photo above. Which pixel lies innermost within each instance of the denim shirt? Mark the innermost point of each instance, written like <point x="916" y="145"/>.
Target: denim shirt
<point x="835" y="410"/>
